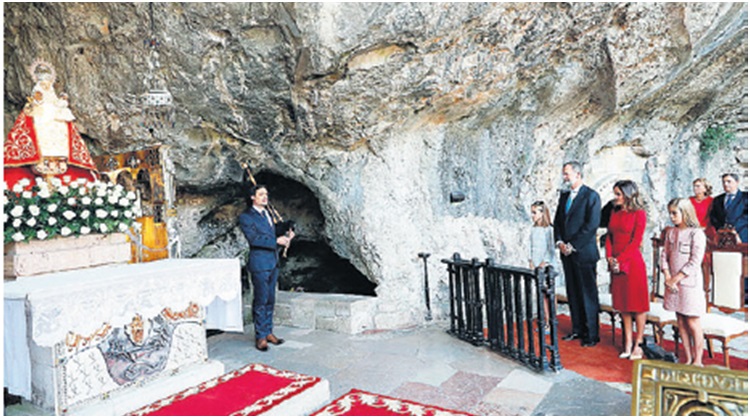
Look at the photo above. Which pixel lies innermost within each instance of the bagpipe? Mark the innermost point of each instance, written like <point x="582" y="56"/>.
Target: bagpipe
<point x="282" y="227"/>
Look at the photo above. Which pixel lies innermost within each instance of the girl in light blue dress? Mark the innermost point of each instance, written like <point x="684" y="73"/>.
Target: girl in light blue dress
<point x="541" y="244"/>
<point x="541" y="238"/>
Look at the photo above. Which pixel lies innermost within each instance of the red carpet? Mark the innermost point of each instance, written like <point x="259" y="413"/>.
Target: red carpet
<point x="250" y="390"/>
<point x="602" y="362"/>
<point x="361" y="403"/>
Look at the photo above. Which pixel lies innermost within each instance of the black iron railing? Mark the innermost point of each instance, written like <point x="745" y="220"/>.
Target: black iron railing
<point x="466" y="302"/>
<point x="512" y="309"/>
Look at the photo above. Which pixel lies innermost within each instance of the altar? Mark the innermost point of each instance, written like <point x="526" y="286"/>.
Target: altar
<point x="80" y="338"/>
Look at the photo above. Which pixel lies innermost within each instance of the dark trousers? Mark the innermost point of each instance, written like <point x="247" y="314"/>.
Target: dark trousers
<point x="264" y="298"/>
<point x="583" y="298"/>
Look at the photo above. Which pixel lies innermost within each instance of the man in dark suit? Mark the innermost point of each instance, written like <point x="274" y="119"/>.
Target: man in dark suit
<point x="262" y="264"/>
<point x="576" y="220"/>
<point x="730" y="208"/>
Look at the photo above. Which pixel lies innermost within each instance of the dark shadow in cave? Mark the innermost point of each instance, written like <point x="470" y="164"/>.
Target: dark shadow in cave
<point x="315" y="268"/>
<point x="311" y="265"/>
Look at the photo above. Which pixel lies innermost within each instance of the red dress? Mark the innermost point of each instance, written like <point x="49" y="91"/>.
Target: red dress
<point x="630" y="286"/>
<point x="702" y="208"/>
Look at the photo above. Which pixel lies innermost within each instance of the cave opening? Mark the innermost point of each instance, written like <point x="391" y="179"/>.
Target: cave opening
<point x="310" y="265"/>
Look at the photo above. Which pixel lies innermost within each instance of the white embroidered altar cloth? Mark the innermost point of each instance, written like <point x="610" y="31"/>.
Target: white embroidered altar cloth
<point x="80" y="301"/>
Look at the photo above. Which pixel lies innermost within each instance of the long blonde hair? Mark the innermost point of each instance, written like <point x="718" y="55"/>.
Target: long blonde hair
<point x="687" y="210"/>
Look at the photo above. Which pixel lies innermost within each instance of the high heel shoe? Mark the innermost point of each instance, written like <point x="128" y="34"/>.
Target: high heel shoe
<point x="625" y="355"/>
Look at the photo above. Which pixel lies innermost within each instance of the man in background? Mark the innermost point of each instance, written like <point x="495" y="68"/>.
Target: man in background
<point x="729" y="209"/>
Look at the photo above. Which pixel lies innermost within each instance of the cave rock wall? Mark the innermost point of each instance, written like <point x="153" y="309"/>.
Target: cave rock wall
<point x="381" y="110"/>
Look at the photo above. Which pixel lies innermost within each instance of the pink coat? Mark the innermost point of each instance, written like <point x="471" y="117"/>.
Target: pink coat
<point x="683" y="252"/>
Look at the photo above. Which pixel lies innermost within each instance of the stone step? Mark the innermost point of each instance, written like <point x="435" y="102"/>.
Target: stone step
<point x="348" y="314"/>
<point x="136" y="397"/>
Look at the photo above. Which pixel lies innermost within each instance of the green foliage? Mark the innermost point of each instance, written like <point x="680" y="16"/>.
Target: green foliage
<point x="714" y="139"/>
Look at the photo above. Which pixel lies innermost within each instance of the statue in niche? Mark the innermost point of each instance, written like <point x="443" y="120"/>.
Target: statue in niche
<point x="44" y="141"/>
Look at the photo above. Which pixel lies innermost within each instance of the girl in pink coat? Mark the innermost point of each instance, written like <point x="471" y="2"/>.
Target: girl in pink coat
<point x="684" y="246"/>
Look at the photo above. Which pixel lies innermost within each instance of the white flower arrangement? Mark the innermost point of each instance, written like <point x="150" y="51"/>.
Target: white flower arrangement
<point x="17" y="211"/>
<point x="42" y="210"/>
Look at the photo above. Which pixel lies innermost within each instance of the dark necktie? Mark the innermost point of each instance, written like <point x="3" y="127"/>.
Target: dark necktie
<point x="728" y="200"/>
<point x="265" y="216"/>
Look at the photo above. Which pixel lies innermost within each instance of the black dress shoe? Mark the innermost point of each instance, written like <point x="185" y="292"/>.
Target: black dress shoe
<point x="589" y="343"/>
<point x="274" y="339"/>
<point x="261" y="344"/>
<point x="570" y="337"/>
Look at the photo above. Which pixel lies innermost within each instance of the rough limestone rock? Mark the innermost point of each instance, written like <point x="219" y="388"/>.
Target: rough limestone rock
<point x="381" y="110"/>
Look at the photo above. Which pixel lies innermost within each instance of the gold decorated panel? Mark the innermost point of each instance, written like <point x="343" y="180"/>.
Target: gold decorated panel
<point x="662" y="388"/>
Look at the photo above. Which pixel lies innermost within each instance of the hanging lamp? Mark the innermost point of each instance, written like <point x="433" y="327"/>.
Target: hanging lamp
<point x="158" y="110"/>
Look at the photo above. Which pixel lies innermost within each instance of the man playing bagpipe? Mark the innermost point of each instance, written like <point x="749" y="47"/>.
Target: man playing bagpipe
<point x="264" y="238"/>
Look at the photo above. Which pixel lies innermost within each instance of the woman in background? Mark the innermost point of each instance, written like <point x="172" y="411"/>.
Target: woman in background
<point x="702" y="200"/>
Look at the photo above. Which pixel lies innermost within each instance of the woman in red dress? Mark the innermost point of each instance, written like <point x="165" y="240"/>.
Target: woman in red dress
<point x="702" y="200"/>
<point x="629" y="283"/>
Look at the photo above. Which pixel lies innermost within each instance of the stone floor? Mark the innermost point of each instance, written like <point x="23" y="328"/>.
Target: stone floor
<point x="429" y="366"/>
<point x="425" y="365"/>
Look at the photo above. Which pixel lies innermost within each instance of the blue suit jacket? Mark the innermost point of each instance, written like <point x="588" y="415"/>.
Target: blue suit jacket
<point x="578" y="226"/>
<point x="261" y="237"/>
<point x="735" y="214"/>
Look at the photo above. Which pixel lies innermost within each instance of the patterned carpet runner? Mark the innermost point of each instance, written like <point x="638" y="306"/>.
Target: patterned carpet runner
<point x="361" y="403"/>
<point x="251" y="390"/>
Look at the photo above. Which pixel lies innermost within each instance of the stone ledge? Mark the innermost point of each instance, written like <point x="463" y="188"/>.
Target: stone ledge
<point x="61" y="254"/>
<point x="133" y="398"/>
<point x="348" y="314"/>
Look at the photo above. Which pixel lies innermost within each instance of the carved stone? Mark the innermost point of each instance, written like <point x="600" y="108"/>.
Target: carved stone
<point x="64" y="253"/>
